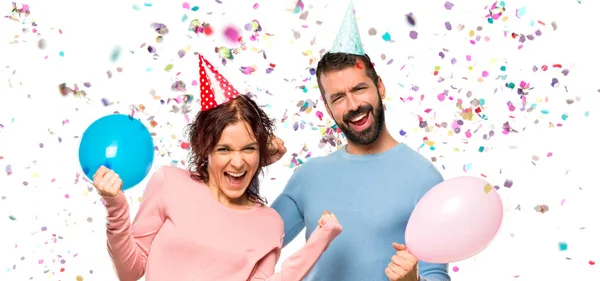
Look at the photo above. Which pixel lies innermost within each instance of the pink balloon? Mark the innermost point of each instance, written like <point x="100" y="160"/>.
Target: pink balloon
<point x="454" y="221"/>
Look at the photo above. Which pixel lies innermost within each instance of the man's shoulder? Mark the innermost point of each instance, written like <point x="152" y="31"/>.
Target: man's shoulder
<point x="408" y="154"/>
<point x="413" y="162"/>
<point x="311" y="172"/>
<point x="318" y="163"/>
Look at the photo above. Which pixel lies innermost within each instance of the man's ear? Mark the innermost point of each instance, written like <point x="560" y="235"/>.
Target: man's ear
<point x="381" y="88"/>
<point x="326" y="105"/>
<point x="328" y="110"/>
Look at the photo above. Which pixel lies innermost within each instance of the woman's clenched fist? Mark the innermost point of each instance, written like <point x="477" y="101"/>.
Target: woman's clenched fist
<point x="107" y="182"/>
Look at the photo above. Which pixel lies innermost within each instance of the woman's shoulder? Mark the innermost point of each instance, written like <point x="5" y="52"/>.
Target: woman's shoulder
<point x="173" y="170"/>
<point x="176" y="175"/>
<point x="271" y="218"/>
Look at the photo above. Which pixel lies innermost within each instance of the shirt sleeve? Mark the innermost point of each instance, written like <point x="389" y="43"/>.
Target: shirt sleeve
<point x="287" y="205"/>
<point x="431" y="271"/>
<point x="129" y="244"/>
<point x="297" y="266"/>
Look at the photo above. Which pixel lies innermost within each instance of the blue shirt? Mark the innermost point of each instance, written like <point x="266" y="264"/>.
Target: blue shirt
<point x="372" y="196"/>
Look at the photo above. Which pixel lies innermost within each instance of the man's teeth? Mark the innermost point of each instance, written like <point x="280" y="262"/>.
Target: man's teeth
<point x="358" y="118"/>
<point x="236" y="174"/>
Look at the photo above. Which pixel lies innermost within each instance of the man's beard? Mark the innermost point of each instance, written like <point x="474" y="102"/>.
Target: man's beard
<point x="370" y="134"/>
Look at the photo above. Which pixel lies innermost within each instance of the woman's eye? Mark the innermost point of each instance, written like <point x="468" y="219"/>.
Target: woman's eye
<point x="250" y="148"/>
<point x="222" y="149"/>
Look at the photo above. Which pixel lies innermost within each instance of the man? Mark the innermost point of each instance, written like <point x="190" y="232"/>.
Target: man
<point x="372" y="184"/>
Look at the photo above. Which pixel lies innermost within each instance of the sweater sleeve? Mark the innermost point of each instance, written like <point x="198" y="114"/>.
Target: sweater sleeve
<point x="297" y="266"/>
<point x="129" y="244"/>
<point x="287" y="206"/>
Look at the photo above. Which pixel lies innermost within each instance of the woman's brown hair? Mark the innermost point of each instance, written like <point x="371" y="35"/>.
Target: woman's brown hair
<point x="205" y="131"/>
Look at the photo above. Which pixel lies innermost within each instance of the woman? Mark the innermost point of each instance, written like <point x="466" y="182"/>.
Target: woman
<point x="209" y="223"/>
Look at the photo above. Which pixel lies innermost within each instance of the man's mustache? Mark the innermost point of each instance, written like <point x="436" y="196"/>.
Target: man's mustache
<point x="355" y="113"/>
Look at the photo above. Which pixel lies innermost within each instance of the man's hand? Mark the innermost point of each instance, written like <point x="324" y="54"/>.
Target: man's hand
<point x="403" y="266"/>
<point x="276" y="150"/>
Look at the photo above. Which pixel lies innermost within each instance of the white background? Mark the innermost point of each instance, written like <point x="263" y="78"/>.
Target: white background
<point x="42" y="232"/>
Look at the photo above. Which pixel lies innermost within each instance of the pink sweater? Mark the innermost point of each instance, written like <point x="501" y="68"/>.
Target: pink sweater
<point x="182" y="233"/>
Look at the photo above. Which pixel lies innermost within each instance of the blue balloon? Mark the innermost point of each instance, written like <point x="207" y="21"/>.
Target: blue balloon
<point x="120" y="143"/>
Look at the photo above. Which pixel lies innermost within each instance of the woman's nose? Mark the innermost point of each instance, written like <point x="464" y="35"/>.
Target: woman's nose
<point x="237" y="160"/>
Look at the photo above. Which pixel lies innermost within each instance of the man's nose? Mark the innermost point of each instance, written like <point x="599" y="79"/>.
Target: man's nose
<point x="352" y="103"/>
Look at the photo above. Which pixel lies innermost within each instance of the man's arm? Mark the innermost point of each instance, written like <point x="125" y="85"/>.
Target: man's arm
<point x="431" y="271"/>
<point x="287" y="206"/>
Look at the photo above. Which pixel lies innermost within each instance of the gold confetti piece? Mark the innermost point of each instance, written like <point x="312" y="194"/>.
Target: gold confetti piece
<point x="487" y="188"/>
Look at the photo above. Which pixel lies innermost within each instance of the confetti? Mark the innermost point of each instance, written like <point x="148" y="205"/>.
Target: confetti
<point x="413" y="34"/>
<point x="232" y="34"/>
<point x="562" y="246"/>
<point x="410" y="19"/>
<point x="160" y="28"/>
<point x="116" y="53"/>
<point x="541" y="208"/>
<point x="448" y="5"/>
<point x="386" y="37"/>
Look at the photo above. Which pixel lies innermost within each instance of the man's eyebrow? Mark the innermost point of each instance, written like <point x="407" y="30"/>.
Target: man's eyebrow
<point x="359" y="86"/>
<point x="352" y="90"/>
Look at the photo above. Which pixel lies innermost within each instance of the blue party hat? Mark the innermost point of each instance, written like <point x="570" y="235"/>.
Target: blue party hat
<point x="348" y="38"/>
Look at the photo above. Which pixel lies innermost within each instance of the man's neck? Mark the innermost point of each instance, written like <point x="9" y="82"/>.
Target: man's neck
<point x="382" y="144"/>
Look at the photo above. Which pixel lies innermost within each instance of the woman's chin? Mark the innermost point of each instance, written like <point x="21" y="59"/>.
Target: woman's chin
<point x="235" y="192"/>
